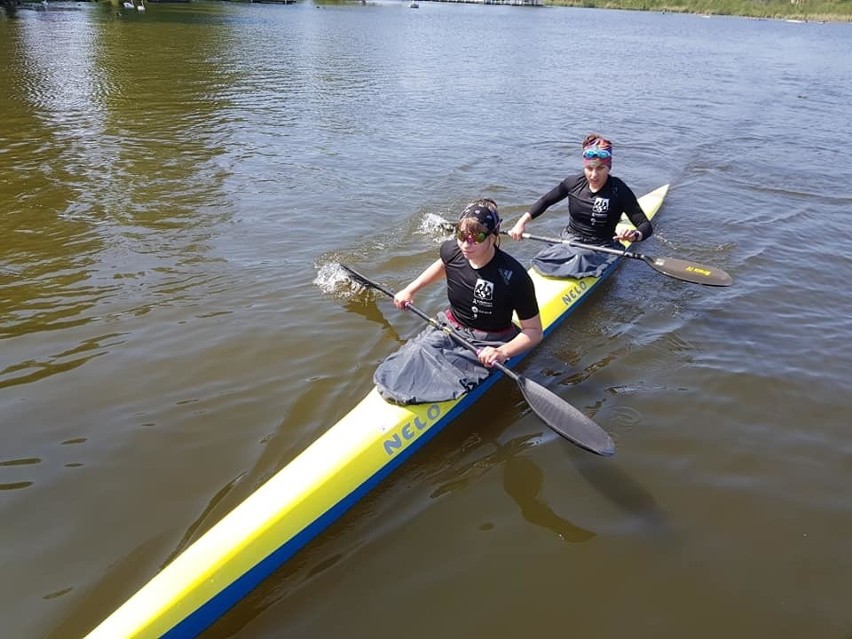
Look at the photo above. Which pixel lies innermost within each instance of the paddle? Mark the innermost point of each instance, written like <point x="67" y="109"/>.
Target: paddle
<point x="671" y="266"/>
<point x="558" y="414"/>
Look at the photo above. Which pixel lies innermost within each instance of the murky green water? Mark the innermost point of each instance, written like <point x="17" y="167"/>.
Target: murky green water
<point x="172" y="183"/>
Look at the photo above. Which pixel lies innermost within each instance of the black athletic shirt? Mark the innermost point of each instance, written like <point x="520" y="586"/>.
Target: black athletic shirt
<point x="593" y="216"/>
<point x="485" y="298"/>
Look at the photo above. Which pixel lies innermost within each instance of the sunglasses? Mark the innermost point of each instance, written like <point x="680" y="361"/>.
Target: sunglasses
<point x="477" y="238"/>
<point x="596" y="154"/>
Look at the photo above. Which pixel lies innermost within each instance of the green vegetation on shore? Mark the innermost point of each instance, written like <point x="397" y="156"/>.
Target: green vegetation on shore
<point x="807" y="10"/>
<point x="796" y="10"/>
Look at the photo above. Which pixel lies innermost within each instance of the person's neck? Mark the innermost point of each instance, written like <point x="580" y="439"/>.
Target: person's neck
<point x="487" y="257"/>
<point x="603" y="184"/>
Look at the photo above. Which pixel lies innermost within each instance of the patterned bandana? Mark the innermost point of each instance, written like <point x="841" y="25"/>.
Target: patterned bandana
<point x="484" y="212"/>
<point x="598" y="151"/>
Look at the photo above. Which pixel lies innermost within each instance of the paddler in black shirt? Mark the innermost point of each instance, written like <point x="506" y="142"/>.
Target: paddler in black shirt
<point x="485" y="286"/>
<point x="596" y="201"/>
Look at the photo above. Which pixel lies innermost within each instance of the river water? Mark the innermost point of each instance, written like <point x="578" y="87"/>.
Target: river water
<point x="174" y="185"/>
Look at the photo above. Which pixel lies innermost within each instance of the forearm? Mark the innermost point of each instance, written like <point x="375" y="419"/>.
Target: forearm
<point x="520" y="226"/>
<point x="531" y="334"/>
<point x="637" y="217"/>
<point x="645" y="229"/>
<point x="434" y="272"/>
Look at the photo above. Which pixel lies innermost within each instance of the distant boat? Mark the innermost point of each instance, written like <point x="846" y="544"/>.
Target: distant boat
<point x="414" y="5"/>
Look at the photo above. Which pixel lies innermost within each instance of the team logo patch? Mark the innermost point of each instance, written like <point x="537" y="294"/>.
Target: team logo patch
<point x="484" y="290"/>
<point x="600" y="210"/>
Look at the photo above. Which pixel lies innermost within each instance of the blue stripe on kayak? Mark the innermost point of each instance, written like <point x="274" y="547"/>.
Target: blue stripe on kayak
<point x="210" y="612"/>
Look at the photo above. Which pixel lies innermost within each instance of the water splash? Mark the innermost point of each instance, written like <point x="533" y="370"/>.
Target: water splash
<point x="333" y="280"/>
<point x="436" y="227"/>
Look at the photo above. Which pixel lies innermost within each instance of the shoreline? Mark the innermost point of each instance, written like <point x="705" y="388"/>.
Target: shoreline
<point x="774" y="11"/>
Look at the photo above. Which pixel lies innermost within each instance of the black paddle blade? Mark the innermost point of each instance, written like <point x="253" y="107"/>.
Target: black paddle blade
<point x="364" y="280"/>
<point x="689" y="271"/>
<point x="566" y="420"/>
<point x="356" y="277"/>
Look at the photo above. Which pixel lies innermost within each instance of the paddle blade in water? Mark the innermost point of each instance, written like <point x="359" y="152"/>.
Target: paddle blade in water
<point x="566" y="420"/>
<point x="689" y="271"/>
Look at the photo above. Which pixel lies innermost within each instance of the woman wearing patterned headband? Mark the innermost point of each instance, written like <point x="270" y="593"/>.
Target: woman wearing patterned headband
<point x="485" y="286"/>
<point x="596" y="201"/>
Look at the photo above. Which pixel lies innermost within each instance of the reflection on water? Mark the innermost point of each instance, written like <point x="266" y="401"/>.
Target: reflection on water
<point x="105" y="186"/>
<point x="373" y="313"/>
<point x="455" y="479"/>
<point x="29" y="371"/>
<point x="15" y="485"/>
<point x="624" y="491"/>
<point x="523" y="481"/>
<point x="354" y="296"/>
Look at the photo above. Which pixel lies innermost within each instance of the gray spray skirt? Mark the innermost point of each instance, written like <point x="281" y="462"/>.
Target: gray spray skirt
<point x="432" y="367"/>
<point x="562" y="260"/>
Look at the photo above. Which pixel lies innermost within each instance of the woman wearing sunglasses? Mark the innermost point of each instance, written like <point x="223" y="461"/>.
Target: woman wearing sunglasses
<point x="596" y="201"/>
<point x="485" y="286"/>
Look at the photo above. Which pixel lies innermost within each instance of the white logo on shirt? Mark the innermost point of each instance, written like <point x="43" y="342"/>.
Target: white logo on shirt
<point x="484" y="290"/>
<point x="600" y="210"/>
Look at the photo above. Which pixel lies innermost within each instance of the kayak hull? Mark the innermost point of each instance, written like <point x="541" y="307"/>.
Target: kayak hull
<point x="307" y="495"/>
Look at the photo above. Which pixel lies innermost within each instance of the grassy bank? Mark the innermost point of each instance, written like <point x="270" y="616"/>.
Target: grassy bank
<point x="810" y="10"/>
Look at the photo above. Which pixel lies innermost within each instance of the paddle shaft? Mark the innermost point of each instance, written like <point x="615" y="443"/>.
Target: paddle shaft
<point x="673" y="267"/>
<point x="446" y="329"/>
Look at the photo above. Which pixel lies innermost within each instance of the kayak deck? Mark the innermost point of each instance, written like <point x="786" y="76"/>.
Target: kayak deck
<point x="308" y="494"/>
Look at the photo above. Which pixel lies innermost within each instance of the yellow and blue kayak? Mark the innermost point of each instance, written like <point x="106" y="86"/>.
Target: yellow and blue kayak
<point x="308" y="494"/>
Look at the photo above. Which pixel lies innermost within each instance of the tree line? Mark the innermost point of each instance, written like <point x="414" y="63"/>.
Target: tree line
<point x="804" y="10"/>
